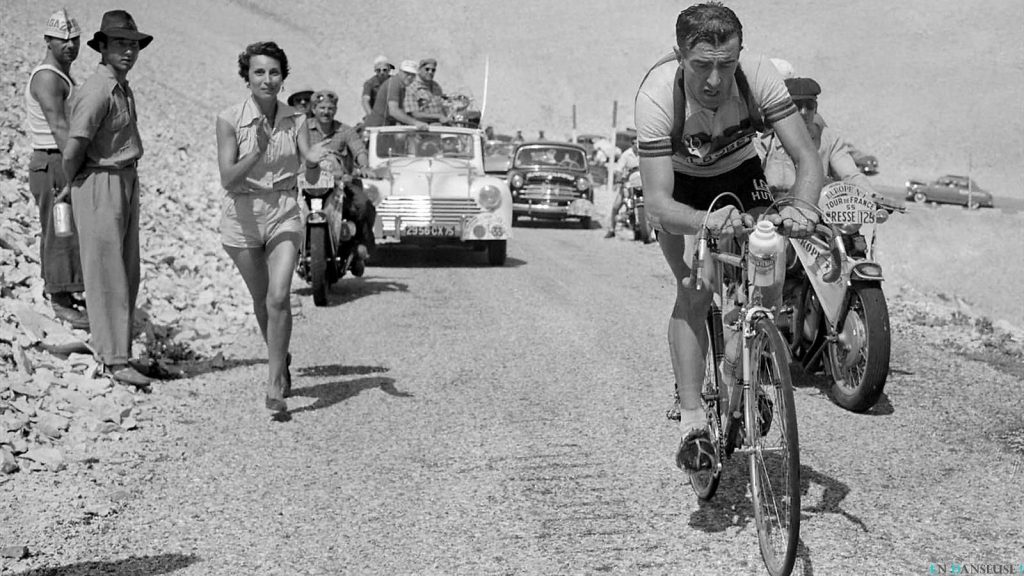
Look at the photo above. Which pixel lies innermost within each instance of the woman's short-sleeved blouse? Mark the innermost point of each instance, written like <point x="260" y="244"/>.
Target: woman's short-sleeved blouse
<point x="280" y="162"/>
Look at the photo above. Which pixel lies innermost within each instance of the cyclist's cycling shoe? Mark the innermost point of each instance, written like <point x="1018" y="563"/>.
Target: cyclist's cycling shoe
<point x="765" y="406"/>
<point x="696" y="452"/>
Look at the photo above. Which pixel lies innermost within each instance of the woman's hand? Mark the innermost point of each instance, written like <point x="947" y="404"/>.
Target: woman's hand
<point x="263" y="135"/>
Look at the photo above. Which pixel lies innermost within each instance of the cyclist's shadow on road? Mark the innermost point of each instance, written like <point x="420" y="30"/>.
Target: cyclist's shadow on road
<point x="731" y="506"/>
<point x="331" y="393"/>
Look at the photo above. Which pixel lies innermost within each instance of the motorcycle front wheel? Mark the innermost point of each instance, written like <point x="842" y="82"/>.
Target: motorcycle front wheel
<point x="858" y="359"/>
<point x="318" y="239"/>
<point x="642" y="230"/>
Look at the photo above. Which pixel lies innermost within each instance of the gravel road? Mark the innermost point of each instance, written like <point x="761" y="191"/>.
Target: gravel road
<point x="455" y="418"/>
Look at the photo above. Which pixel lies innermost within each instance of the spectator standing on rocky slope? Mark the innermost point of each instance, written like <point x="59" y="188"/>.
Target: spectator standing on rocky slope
<point x="424" y="98"/>
<point x="260" y="144"/>
<point x="49" y="88"/>
<point x="388" y="109"/>
<point x="100" y="159"/>
<point x="381" y="72"/>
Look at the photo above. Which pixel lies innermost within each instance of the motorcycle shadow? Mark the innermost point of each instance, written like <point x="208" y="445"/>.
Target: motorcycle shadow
<point x="351" y="289"/>
<point x="554" y="224"/>
<point x="803" y="378"/>
<point x="435" y="257"/>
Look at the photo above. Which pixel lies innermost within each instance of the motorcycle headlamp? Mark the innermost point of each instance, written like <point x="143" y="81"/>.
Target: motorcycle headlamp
<point x="582" y="184"/>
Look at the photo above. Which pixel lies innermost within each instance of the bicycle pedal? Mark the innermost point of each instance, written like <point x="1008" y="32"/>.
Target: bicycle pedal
<point x="673" y="414"/>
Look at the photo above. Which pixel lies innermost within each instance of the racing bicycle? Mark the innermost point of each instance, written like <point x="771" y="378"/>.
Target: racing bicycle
<point x="757" y="416"/>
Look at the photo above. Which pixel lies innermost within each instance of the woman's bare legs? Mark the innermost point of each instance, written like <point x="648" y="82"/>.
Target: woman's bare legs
<point x="267" y="273"/>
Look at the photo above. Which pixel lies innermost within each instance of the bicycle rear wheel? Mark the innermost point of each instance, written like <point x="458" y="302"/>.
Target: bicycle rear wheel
<point x="774" y="449"/>
<point x="705" y="482"/>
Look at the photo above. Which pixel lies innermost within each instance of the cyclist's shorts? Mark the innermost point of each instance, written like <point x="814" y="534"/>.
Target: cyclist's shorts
<point x="746" y="181"/>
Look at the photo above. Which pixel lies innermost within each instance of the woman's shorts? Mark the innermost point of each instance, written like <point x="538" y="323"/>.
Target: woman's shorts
<point x="254" y="219"/>
<point x="746" y="181"/>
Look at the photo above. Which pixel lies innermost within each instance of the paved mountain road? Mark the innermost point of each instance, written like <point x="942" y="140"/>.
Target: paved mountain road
<point x="456" y="418"/>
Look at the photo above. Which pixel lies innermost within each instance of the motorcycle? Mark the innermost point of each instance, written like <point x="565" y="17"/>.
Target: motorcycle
<point x="328" y="249"/>
<point x="632" y="189"/>
<point x="838" y="319"/>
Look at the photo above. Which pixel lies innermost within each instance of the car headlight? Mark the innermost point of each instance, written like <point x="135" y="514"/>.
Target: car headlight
<point x="372" y="193"/>
<point x="582" y="184"/>
<point x="489" y="197"/>
<point x="516" y="181"/>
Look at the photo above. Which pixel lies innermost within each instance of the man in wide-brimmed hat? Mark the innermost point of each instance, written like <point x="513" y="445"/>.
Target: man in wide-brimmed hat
<point x="100" y="160"/>
<point x="46" y="95"/>
<point x="300" y="101"/>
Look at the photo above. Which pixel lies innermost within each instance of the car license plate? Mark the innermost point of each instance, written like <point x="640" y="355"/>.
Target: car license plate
<point x="437" y="230"/>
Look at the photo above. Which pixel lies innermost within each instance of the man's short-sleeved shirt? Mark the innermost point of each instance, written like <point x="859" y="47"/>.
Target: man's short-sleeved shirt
<point x="103" y="113"/>
<point x="834" y="152"/>
<point x="424" y="96"/>
<point x="371" y="87"/>
<point x="280" y="161"/>
<point x="344" y="144"/>
<point x="713" y="141"/>
<point x="392" y="90"/>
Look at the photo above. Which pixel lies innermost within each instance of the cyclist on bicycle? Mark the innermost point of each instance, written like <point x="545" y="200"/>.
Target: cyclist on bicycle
<point x="697" y="112"/>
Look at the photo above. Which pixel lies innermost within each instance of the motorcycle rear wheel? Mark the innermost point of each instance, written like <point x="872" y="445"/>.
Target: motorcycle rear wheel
<point x="860" y="365"/>
<point x="318" y="239"/>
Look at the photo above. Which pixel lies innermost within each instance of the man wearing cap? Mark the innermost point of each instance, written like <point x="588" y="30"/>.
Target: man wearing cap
<point x="388" y="110"/>
<point x="46" y="94"/>
<point x="344" y="155"/>
<point x="833" y="150"/>
<point x="300" y="101"/>
<point x="424" y="98"/>
<point x="100" y="160"/>
<point x="381" y="72"/>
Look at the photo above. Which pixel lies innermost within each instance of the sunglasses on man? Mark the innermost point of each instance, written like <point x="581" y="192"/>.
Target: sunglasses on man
<point x="811" y="105"/>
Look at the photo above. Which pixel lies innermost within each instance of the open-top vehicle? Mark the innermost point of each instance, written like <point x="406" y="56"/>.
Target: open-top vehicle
<point x="430" y="188"/>
<point x="551" y="180"/>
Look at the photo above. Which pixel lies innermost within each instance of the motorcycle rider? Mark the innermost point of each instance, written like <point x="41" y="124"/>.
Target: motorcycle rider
<point x="696" y="112"/>
<point x="833" y="150"/>
<point x="627" y="162"/>
<point x="345" y="155"/>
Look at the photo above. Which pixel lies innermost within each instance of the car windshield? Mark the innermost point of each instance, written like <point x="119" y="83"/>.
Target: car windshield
<point x="425" y="145"/>
<point x="550" y="156"/>
<point x="497" y="148"/>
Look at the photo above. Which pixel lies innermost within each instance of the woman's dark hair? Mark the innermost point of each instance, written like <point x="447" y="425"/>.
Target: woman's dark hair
<point x="269" y="49"/>
<point x="709" y="22"/>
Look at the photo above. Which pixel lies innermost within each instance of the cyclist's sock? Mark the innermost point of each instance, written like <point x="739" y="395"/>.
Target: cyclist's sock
<point x="691" y="420"/>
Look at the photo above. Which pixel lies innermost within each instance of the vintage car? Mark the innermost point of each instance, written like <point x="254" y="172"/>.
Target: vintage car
<point x="551" y="180"/>
<point x="429" y="188"/>
<point x="949" y="189"/>
<point x="498" y="157"/>
<point x="867" y="163"/>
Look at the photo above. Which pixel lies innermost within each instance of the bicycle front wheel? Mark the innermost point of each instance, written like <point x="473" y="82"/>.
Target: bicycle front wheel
<point x="773" y="449"/>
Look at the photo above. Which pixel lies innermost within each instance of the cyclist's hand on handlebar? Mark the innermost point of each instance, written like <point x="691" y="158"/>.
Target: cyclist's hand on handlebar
<point x="795" y="222"/>
<point x="728" y="221"/>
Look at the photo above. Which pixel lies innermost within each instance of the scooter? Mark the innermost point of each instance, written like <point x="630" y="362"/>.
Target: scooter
<point x="328" y="250"/>
<point x="838" y="319"/>
<point x="632" y="189"/>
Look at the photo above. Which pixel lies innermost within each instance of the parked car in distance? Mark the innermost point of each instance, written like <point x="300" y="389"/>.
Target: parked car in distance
<point x="867" y="163"/>
<point x="430" y="188"/>
<point x="949" y="189"/>
<point x="551" y="180"/>
<point x="498" y="157"/>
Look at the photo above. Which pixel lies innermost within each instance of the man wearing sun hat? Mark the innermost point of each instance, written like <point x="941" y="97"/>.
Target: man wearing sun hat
<point x="46" y="94"/>
<point x="424" y="98"/>
<point x="389" y="108"/>
<point x="300" y="101"/>
<point x="100" y="161"/>
<point x="381" y="72"/>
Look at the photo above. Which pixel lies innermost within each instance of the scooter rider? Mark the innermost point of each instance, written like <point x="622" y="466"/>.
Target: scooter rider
<point x="346" y="157"/>
<point x="627" y="162"/>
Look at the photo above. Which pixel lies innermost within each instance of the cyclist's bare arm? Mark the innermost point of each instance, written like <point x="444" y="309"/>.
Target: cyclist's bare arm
<point x="810" y="176"/>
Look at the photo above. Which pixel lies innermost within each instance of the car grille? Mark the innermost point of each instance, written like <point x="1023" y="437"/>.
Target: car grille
<point x="547" y="193"/>
<point x="422" y="210"/>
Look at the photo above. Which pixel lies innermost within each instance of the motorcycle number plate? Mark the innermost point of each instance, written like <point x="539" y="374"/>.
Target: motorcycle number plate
<point x="316" y="204"/>
<point x="436" y="230"/>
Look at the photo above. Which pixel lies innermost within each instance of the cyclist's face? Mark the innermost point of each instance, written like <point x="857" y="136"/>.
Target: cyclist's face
<point x="709" y="70"/>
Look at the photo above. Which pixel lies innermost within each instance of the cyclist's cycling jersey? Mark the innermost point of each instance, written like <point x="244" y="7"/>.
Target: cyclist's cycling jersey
<point x="713" y="141"/>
